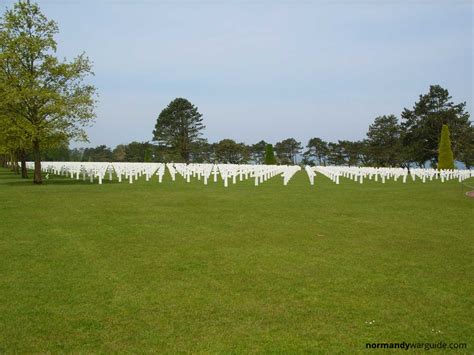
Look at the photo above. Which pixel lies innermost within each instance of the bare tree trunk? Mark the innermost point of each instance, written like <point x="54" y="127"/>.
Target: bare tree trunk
<point x="24" y="171"/>
<point x="37" y="178"/>
<point x="10" y="158"/>
<point x="14" y="163"/>
<point x="185" y="155"/>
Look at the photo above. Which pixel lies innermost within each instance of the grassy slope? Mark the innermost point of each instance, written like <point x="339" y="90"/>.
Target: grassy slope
<point x="182" y="267"/>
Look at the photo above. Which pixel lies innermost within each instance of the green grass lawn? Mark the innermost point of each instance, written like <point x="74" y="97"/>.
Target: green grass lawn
<point x="179" y="267"/>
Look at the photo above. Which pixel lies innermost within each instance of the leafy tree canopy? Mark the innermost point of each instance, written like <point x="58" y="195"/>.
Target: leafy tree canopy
<point x="45" y="98"/>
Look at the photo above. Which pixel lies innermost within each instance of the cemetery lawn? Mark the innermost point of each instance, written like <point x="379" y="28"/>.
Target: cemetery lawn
<point x="179" y="267"/>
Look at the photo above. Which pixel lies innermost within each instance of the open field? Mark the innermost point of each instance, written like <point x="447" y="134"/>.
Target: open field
<point x="187" y="267"/>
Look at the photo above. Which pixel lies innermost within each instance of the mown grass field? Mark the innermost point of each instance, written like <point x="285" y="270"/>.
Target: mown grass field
<point x="179" y="267"/>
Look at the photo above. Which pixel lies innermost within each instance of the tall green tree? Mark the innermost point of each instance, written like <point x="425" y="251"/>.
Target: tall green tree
<point x="336" y="154"/>
<point x="351" y="152"/>
<point x="445" y="154"/>
<point x="317" y="151"/>
<point x="202" y="151"/>
<point x="138" y="152"/>
<point x="288" y="150"/>
<point x="270" y="158"/>
<point x="257" y="152"/>
<point x="14" y="145"/>
<point x="384" y="142"/>
<point x="229" y="151"/>
<point x="466" y="147"/>
<point x="13" y="142"/>
<point x="421" y="125"/>
<point x="76" y="154"/>
<point x="178" y="127"/>
<point x="119" y="153"/>
<point x="148" y="157"/>
<point x="100" y="153"/>
<point x="57" y="153"/>
<point x="47" y="99"/>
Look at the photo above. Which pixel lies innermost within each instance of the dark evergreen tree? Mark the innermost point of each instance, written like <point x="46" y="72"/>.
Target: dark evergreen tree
<point x="201" y="152"/>
<point x="422" y="124"/>
<point x="100" y="153"/>
<point x="257" y="152"/>
<point x="138" y="152"/>
<point x="384" y="142"/>
<point x="336" y="154"/>
<point x="269" y="155"/>
<point x="228" y="151"/>
<point x="178" y="127"/>
<point x="287" y="151"/>
<point x="317" y="151"/>
<point x="466" y="147"/>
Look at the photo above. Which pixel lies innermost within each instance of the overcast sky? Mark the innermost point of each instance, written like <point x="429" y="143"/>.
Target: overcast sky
<point x="265" y="69"/>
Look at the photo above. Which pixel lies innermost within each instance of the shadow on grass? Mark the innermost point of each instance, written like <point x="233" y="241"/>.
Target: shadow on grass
<point x="9" y="178"/>
<point x="5" y="172"/>
<point x="57" y="181"/>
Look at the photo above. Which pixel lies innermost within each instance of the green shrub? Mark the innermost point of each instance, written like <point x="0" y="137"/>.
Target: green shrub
<point x="269" y="155"/>
<point x="445" y="154"/>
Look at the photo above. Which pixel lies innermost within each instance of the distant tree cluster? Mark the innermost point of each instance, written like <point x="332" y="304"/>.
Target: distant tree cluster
<point x="414" y="140"/>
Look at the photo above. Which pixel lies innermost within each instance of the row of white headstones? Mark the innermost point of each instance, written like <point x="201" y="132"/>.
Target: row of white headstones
<point x="132" y="171"/>
<point x="231" y="173"/>
<point x="359" y="174"/>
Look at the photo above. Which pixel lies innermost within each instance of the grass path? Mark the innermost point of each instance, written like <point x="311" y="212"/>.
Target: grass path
<point x="186" y="267"/>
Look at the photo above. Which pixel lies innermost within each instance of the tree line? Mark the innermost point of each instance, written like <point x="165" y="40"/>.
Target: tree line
<point x="45" y="103"/>
<point x="412" y="140"/>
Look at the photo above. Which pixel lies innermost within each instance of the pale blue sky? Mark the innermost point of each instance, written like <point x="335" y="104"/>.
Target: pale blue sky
<point x="265" y="69"/>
